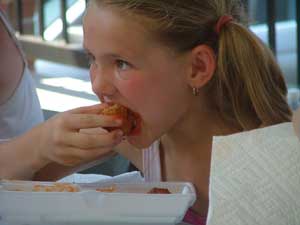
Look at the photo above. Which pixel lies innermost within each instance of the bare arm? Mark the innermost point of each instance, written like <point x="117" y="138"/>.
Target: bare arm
<point x="19" y="159"/>
<point x="54" y="171"/>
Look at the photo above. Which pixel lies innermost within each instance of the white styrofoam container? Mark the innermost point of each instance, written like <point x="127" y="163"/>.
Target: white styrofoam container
<point x="130" y="204"/>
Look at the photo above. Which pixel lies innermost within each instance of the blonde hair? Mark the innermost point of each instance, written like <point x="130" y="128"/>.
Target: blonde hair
<point x="248" y="84"/>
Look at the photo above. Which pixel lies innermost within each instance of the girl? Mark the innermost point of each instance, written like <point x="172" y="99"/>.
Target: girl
<point x="192" y="71"/>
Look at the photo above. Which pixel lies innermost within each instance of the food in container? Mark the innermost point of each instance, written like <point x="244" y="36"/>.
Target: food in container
<point x="31" y="203"/>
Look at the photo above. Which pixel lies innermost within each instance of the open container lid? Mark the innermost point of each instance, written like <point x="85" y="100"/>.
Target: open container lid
<point x="45" y="203"/>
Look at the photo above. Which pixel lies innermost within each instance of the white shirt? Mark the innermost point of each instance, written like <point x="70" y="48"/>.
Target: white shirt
<point x="22" y="110"/>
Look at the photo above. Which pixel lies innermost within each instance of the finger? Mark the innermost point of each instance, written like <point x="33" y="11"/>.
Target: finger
<point x="93" y="109"/>
<point x="82" y="121"/>
<point x="88" y="141"/>
<point x="96" y="130"/>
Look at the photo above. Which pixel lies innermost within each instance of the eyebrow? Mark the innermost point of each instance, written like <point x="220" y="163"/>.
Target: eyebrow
<point x="109" y="55"/>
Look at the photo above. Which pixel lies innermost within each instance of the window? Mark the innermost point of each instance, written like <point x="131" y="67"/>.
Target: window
<point x="286" y="34"/>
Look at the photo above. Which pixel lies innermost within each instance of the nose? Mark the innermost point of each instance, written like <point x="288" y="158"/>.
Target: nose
<point x="102" y="82"/>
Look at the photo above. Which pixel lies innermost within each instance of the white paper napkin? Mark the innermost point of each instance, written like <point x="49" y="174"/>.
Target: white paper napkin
<point x="255" y="178"/>
<point x="129" y="177"/>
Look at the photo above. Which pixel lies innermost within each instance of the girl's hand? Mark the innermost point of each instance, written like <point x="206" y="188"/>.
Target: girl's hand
<point x="64" y="138"/>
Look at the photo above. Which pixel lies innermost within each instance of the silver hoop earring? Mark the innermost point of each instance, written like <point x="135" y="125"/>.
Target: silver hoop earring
<point x="196" y="91"/>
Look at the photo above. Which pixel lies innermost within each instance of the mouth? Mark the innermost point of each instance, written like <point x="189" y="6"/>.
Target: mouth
<point x="131" y="121"/>
<point x="136" y="123"/>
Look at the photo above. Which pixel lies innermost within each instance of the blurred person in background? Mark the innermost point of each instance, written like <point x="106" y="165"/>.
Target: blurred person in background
<point x="20" y="109"/>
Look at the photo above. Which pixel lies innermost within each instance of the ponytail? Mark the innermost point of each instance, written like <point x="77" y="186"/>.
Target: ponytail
<point x="249" y="83"/>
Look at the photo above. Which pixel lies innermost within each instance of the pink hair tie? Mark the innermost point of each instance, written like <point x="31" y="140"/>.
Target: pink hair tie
<point x="223" y="20"/>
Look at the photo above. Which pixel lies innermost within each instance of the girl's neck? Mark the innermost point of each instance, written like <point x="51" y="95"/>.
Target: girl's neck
<point x="194" y="134"/>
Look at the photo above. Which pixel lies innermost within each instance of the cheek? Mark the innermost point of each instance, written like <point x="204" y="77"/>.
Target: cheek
<point x="141" y="95"/>
<point x="158" y="100"/>
<point x="133" y="90"/>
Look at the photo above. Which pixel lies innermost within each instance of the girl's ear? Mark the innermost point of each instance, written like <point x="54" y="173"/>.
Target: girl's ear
<point x="296" y="122"/>
<point x="203" y="65"/>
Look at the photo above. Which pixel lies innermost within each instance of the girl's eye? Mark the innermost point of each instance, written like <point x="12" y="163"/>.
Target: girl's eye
<point x="122" y="65"/>
<point x="123" y="69"/>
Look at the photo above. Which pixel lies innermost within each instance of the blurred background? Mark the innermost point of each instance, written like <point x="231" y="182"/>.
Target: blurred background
<point x="51" y="34"/>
